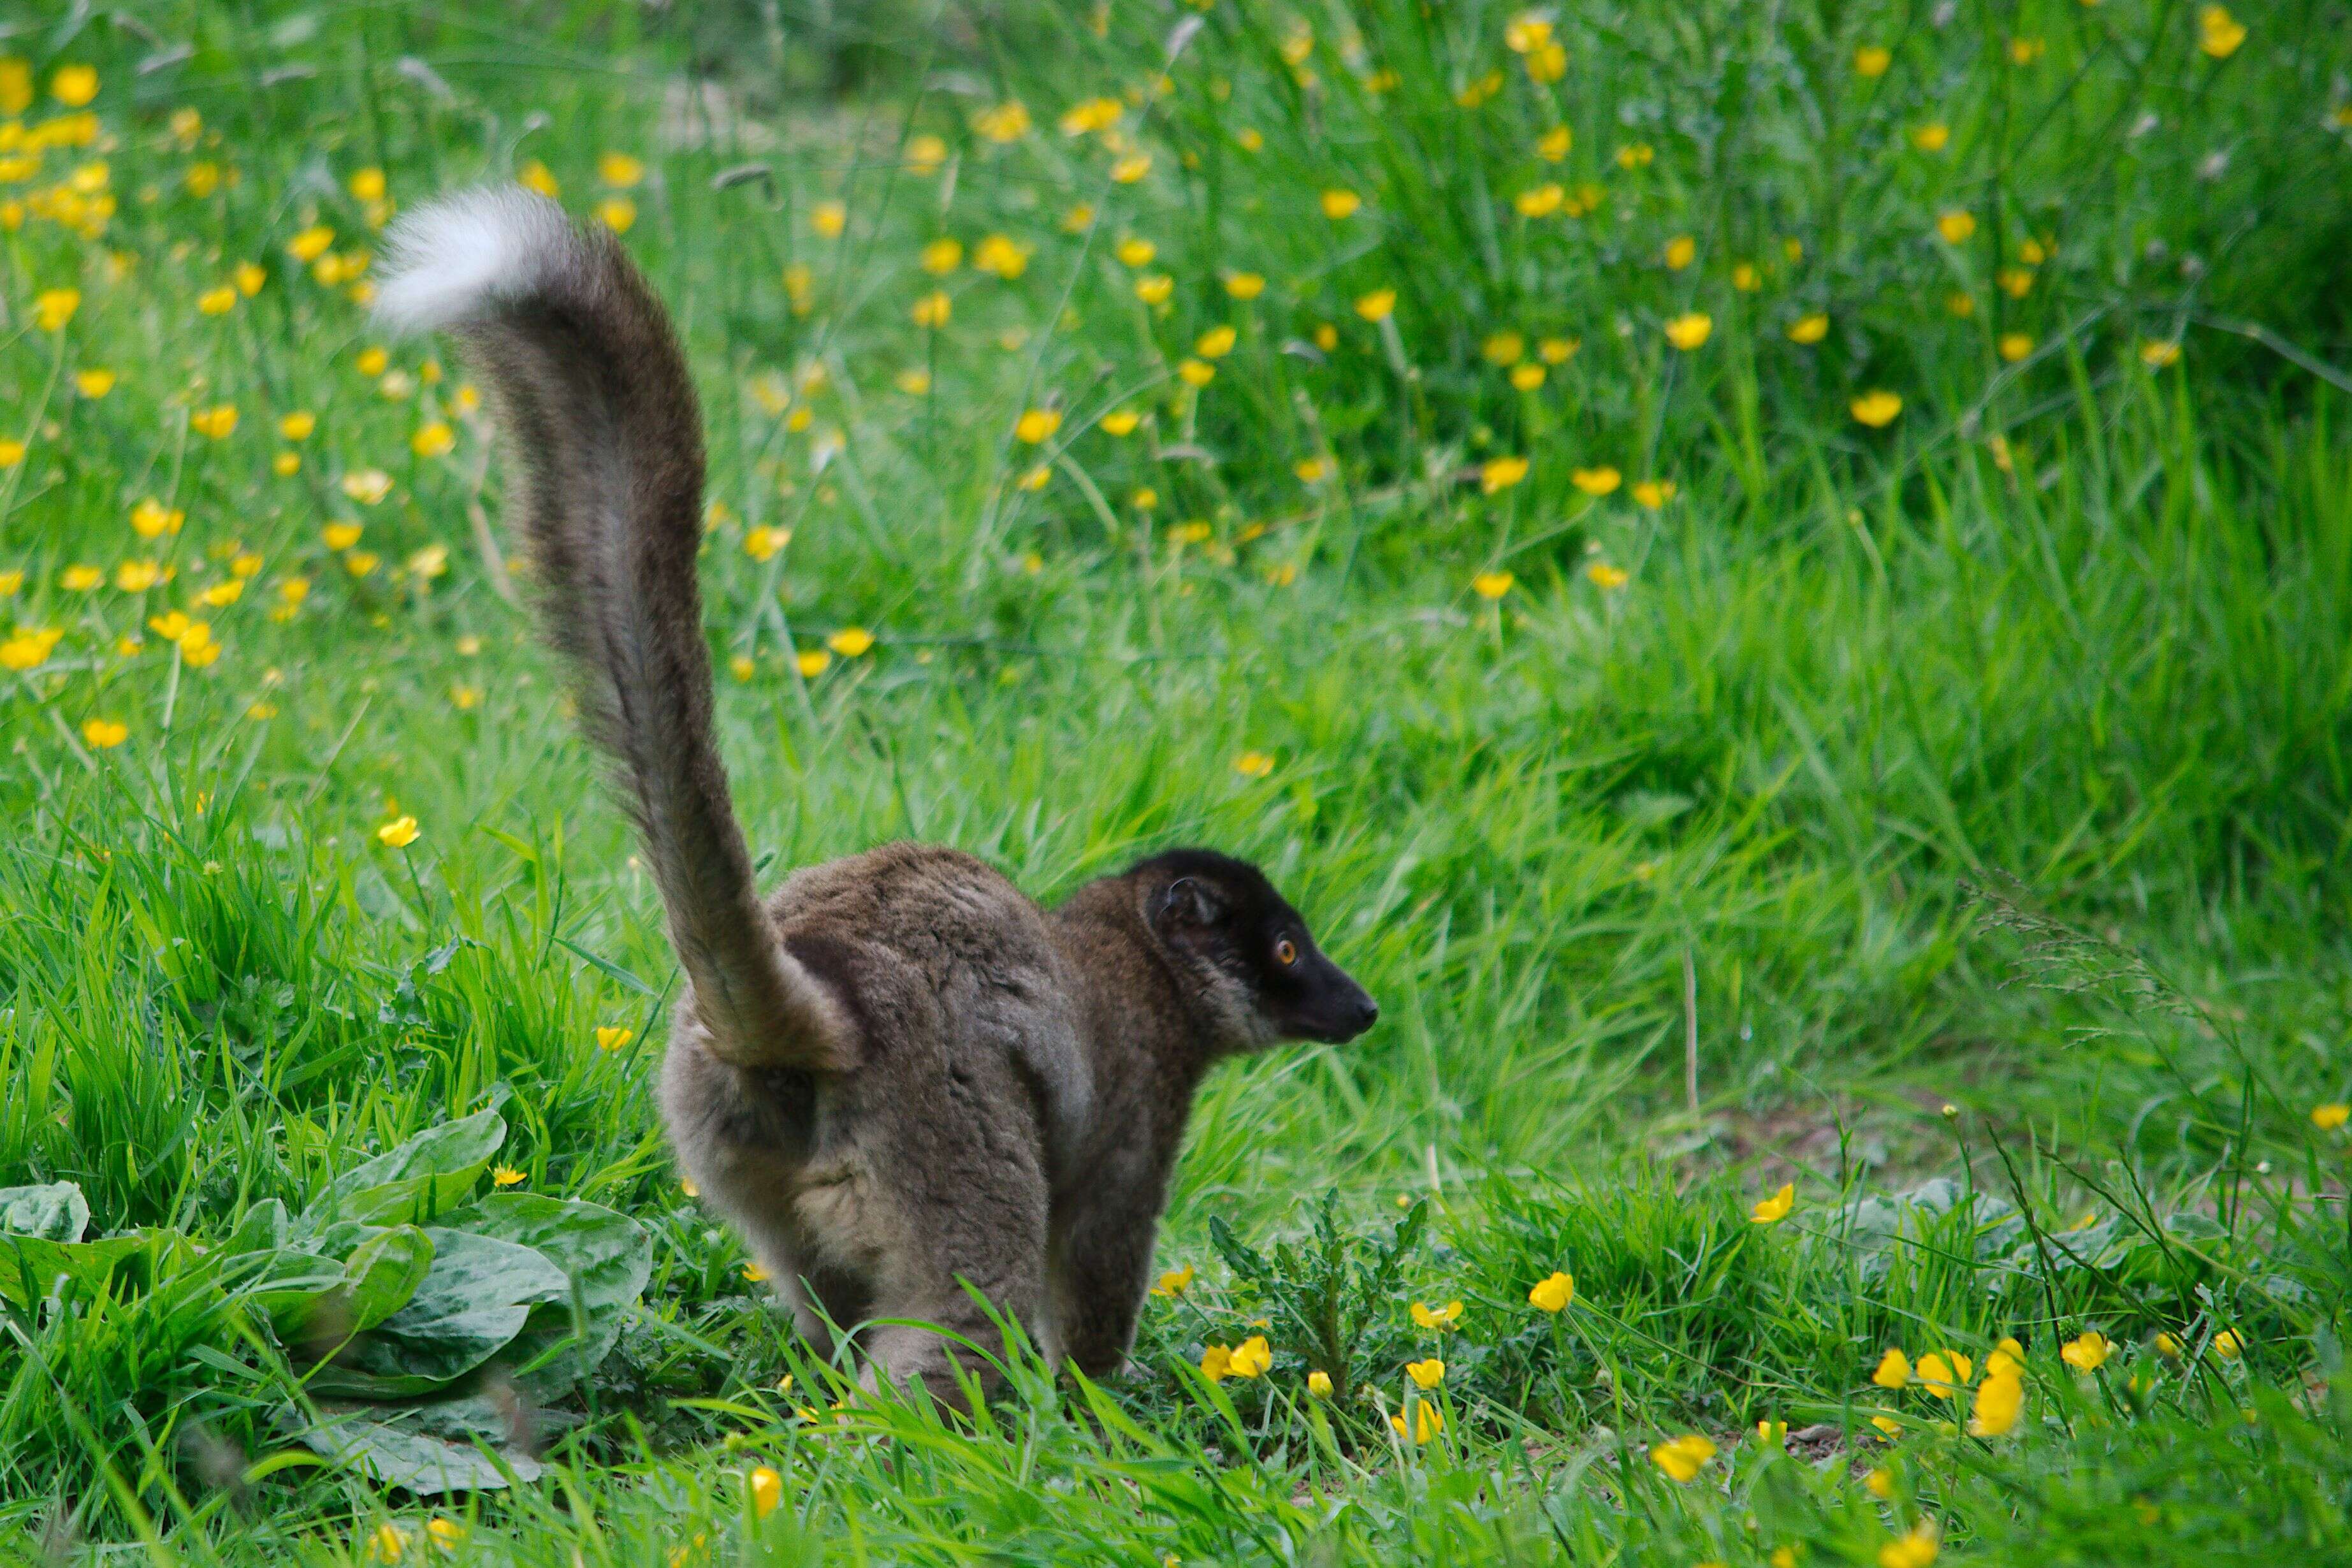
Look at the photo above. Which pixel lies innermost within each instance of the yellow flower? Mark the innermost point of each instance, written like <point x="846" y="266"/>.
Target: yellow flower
<point x="104" y="734"/>
<point x="1339" y="201"/>
<point x="1810" y="328"/>
<point x="2025" y="51"/>
<point x="618" y="169"/>
<point x="1932" y="137"/>
<point x="1254" y="764"/>
<point x="1774" y="1209"/>
<point x="367" y="486"/>
<point x="506" y="1176"/>
<point x="1377" y="305"/>
<point x="28" y="649"/>
<point x="398" y="834"/>
<point x="1684" y="1457"/>
<point x="1558" y="351"/>
<point x="1500" y="474"/>
<point x="828" y="220"/>
<point x="2218" y="34"/>
<point x="1553" y="1292"/>
<point x="1680" y="251"/>
<point x="1542" y="201"/>
<point x="1746" y="279"/>
<point x="812" y="662"/>
<point x="933" y="308"/>
<point x="1004" y="122"/>
<point x="2006" y="1356"/>
<point x="385" y="1544"/>
<point x="1605" y="577"/>
<point x="1154" y="288"/>
<point x="767" y="1489"/>
<point x="1652" y="495"/>
<point x="850" y="642"/>
<point x="1894" y="1370"/>
<point x="1127" y="171"/>
<point x="297" y="427"/>
<point x="1245" y="285"/>
<point x="1597" y="481"/>
<point x="2016" y="282"/>
<point x="2015" y="346"/>
<point x="1876" y="407"/>
<point x="2329" y="1117"/>
<point x="1527" y="378"/>
<point x="1880" y="1483"/>
<point x="2169" y="1346"/>
<point x="1428" y="1422"/>
<point x="433" y="440"/>
<point x="1635" y="155"/>
<point x="2158" y="353"/>
<point x="1914" y="1549"/>
<point x="1250" y="1358"/>
<point x="1944" y="1372"/>
<point x="1553" y="145"/>
<point x="761" y="543"/>
<point x="1440" y="1318"/>
<point x="613" y="1037"/>
<point x="1217" y="1363"/>
<point x="926" y="152"/>
<point x="757" y="1273"/>
<point x="1504" y="348"/>
<point x="465" y="699"/>
<point x="1036" y="425"/>
<point x="1426" y="1374"/>
<point x="222" y="594"/>
<point x="1120" y="421"/>
<point x="1961" y="303"/>
<point x="1174" y="1283"/>
<point x="1688" y="331"/>
<point x="152" y="518"/>
<point x="942" y="256"/>
<point x="537" y="177"/>
<point x="999" y="255"/>
<point x="1775" y="1433"/>
<point x="217" y="301"/>
<point x="214" y="423"/>
<point x="1872" y="60"/>
<point x="1999" y="1402"/>
<point x="1956" y="225"/>
<point x="94" y="383"/>
<point x="74" y="86"/>
<point x="447" y="1533"/>
<point x="1494" y="586"/>
<point x="53" y="308"/>
<point x="618" y="214"/>
<point x="2227" y="1345"/>
<point x="1319" y="1384"/>
<point x="81" y="579"/>
<point x="340" y="535"/>
<point x="1216" y="343"/>
<point x="2086" y="1353"/>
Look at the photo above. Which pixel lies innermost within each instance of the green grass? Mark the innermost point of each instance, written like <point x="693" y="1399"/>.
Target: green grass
<point x="1988" y="769"/>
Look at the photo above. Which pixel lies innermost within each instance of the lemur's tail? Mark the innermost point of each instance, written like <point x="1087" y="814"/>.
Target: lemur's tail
<point x="605" y="454"/>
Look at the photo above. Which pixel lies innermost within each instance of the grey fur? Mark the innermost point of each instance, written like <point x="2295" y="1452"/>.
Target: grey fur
<point x="899" y="1076"/>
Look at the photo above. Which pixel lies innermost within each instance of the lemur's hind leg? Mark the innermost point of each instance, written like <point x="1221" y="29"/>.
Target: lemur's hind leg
<point x="963" y="1183"/>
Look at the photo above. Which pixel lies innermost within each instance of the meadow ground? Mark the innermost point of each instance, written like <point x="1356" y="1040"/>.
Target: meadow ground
<point x="1772" y="579"/>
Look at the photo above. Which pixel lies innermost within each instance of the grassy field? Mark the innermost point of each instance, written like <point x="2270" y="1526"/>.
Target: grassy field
<point x="1772" y="579"/>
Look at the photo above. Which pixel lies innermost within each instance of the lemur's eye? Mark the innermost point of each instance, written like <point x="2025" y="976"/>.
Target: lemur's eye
<point x="1284" y="951"/>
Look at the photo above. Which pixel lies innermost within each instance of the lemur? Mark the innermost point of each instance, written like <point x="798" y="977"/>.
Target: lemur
<point x="897" y="1075"/>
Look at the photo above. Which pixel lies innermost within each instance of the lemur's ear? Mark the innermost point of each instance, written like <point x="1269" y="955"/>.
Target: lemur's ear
<point x="1189" y="901"/>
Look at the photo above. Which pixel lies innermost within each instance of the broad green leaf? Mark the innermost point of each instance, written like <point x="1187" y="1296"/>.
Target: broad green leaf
<point x="264" y="1228"/>
<point x="31" y="1269"/>
<point x="411" y="1461"/>
<point x="475" y="1297"/>
<point x="427" y="1175"/>
<point x="606" y="1258"/>
<point x="55" y="1213"/>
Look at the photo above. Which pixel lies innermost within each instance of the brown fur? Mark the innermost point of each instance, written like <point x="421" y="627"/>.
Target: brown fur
<point x="901" y="1078"/>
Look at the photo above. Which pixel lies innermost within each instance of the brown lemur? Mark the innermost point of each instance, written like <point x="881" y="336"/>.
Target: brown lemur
<point x="897" y="1074"/>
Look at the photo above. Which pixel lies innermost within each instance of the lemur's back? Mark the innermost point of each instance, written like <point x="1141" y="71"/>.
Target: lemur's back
<point x="975" y="1087"/>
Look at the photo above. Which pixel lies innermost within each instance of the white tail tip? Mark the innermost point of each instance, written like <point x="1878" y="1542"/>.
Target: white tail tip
<point x="459" y="257"/>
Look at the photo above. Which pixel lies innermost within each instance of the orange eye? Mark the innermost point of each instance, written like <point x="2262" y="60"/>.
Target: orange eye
<point x="1284" y="953"/>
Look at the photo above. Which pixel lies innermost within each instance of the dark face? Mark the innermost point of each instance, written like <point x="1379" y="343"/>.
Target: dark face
<point x="1252" y="954"/>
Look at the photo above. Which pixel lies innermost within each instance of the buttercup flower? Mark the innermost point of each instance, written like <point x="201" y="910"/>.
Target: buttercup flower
<point x="1553" y="1292"/>
<point x="399" y="833"/>
<point x="1426" y="1374"/>
<point x="1688" y="331"/>
<point x="1684" y="1457"/>
<point x="1774" y="1209"/>
<point x="2086" y="1353"/>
